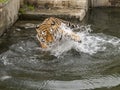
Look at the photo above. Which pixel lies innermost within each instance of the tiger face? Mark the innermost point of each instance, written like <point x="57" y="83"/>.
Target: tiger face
<point x="44" y="36"/>
<point x="50" y="31"/>
<point x="46" y="31"/>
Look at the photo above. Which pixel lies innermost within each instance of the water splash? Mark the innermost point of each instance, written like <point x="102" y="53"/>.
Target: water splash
<point x="91" y="43"/>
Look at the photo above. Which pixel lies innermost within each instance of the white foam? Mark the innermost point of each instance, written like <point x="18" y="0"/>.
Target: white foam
<point x="61" y="48"/>
<point x="91" y="43"/>
<point x="6" y="61"/>
<point x="5" y="77"/>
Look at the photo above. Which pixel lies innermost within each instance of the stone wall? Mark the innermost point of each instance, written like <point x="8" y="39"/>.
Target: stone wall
<point x="61" y="8"/>
<point x="8" y="14"/>
<point x="58" y="4"/>
<point x="108" y="3"/>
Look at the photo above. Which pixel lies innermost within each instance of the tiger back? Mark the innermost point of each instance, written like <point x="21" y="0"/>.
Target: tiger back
<point x="50" y="31"/>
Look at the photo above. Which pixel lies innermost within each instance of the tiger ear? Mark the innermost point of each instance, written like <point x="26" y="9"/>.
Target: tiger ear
<point x="37" y="26"/>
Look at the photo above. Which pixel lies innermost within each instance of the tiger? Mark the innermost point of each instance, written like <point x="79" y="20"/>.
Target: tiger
<point x="51" y="30"/>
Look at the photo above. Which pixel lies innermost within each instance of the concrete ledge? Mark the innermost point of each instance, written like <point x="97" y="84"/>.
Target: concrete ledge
<point x="8" y="14"/>
<point x="66" y="13"/>
<point x="59" y="8"/>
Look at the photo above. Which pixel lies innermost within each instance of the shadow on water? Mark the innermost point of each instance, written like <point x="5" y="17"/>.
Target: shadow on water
<point x="93" y="64"/>
<point x="104" y="20"/>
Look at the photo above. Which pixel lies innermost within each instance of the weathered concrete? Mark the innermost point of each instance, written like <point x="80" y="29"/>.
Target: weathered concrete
<point x="69" y="8"/>
<point x="21" y="2"/>
<point x="103" y="3"/>
<point x="49" y="4"/>
<point x="8" y="14"/>
<point x="66" y="13"/>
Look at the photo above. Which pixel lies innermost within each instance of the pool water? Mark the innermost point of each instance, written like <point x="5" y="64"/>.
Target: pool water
<point x="93" y="64"/>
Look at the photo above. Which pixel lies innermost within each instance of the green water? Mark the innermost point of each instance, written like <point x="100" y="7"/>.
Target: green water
<point x="95" y="66"/>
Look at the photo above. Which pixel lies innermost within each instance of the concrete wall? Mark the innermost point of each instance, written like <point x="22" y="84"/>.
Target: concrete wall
<point x="108" y="3"/>
<point x="73" y="3"/>
<point x="8" y="14"/>
<point x="61" y="8"/>
<point x="59" y="4"/>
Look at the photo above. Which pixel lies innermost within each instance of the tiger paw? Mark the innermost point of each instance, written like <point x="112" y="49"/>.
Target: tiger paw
<point x="43" y="45"/>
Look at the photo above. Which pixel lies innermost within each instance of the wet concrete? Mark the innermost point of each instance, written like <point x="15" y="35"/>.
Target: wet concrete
<point x="8" y="14"/>
<point x="44" y="13"/>
<point x="115" y="3"/>
<point x="66" y="8"/>
<point x="105" y="3"/>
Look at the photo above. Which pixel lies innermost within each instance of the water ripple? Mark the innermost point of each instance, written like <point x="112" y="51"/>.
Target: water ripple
<point x="108" y="81"/>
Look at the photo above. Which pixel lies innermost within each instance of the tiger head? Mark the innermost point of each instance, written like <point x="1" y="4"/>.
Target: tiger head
<point x="46" y="30"/>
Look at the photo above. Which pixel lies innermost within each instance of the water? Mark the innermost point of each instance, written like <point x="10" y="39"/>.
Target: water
<point x="93" y="64"/>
